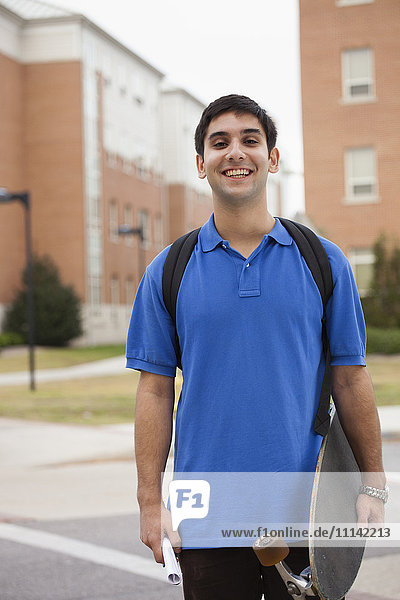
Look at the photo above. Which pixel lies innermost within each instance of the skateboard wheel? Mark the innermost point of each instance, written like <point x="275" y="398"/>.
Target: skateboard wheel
<point x="270" y="550"/>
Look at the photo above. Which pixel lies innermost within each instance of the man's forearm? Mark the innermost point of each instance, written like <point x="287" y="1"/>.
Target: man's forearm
<point x="355" y="402"/>
<point x="153" y="432"/>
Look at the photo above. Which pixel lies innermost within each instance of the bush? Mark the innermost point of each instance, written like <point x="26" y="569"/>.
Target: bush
<point x="382" y="306"/>
<point x="383" y="341"/>
<point x="10" y="339"/>
<point x="57" y="307"/>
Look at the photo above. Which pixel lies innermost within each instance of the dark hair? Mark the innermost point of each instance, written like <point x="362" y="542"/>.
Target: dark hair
<point x="239" y="105"/>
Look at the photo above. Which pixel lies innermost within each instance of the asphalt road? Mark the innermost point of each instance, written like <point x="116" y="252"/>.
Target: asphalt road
<point x="29" y="573"/>
<point x="69" y="528"/>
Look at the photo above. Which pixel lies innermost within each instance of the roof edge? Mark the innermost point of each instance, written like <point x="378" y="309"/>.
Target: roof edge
<point x="85" y="21"/>
<point x="181" y="90"/>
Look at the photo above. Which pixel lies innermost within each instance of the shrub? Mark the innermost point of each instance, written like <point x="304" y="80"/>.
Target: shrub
<point x="382" y="306"/>
<point x="57" y="307"/>
<point x="10" y="339"/>
<point x="383" y="341"/>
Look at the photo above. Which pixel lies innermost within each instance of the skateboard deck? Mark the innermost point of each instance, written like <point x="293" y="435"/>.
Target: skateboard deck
<point x="334" y="567"/>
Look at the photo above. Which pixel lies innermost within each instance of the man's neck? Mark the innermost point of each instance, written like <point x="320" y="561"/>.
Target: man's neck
<point x="244" y="228"/>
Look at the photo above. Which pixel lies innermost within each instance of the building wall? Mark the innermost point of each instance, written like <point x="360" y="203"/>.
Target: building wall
<point x="331" y="125"/>
<point x="80" y="128"/>
<point x="188" y="197"/>
<point x="121" y="254"/>
<point x="54" y="159"/>
<point x="12" y="177"/>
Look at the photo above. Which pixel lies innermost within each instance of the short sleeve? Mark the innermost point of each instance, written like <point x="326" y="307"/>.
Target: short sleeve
<point x="151" y="336"/>
<point x="345" y="320"/>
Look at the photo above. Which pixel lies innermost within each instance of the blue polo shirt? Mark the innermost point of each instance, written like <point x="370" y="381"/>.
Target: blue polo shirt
<point x="250" y="336"/>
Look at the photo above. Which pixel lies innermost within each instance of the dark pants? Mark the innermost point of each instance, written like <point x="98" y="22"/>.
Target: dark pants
<point x="235" y="574"/>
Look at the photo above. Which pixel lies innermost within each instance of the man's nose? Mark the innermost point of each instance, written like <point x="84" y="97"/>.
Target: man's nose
<point x="235" y="151"/>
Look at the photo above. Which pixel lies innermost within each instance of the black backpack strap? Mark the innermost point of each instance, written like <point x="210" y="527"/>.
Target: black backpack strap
<point x="317" y="261"/>
<point x="174" y="267"/>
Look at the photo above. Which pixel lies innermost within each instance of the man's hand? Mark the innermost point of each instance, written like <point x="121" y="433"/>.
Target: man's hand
<point x="155" y="524"/>
<point x="369" y="510"/>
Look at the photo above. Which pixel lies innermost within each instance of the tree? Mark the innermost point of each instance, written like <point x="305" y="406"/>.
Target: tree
<point x="382" y="306"/>
<point x="57" y="307"/>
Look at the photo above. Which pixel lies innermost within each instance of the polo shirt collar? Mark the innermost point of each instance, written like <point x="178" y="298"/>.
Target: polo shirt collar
<point x="210" y="238"/>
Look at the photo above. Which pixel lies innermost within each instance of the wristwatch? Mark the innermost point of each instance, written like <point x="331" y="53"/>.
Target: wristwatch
<point x="375" y="492"/>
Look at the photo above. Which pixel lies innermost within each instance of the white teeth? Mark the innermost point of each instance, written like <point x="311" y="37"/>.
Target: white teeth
<point x="237" y="172"/>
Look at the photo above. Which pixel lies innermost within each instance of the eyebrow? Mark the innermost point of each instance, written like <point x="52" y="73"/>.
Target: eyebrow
<point x="225" y="133"/>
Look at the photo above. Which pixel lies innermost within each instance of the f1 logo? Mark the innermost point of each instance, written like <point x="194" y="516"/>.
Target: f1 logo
<point x="190" y="499"/>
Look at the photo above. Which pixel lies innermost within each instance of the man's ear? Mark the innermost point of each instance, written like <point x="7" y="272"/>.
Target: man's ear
<point x="200" y="166"/>
<point x="273" y="166"/>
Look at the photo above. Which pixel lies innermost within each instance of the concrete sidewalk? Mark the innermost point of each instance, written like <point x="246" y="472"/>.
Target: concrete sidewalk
<point x="34" y="444"/>
<point x="97" y="368"/>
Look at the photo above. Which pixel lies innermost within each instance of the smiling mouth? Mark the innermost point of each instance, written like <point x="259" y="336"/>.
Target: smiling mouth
<point x="237" y="173"/>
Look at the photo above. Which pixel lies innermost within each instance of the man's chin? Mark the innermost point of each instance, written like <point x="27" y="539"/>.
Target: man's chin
<point x="237" y="199"/>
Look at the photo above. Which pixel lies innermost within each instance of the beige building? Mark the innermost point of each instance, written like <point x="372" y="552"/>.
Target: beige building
<point x="188" y="196"/>
<point x="350" y="66"/>
<point x="86" y="128"/>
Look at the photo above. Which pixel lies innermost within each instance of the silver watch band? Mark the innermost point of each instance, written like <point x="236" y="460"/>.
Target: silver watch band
<point x="375" y="492"/>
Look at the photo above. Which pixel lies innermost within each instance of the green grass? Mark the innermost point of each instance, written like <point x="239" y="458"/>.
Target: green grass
<point x="385" y="374"/>
<point x="50" y="358"/>
<point x="111" y="399"/>
<point x="92" y="401"/>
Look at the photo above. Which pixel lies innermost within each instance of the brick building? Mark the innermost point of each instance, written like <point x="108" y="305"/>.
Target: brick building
<point x="86" y="127"/>
<point x="350" y="68"/>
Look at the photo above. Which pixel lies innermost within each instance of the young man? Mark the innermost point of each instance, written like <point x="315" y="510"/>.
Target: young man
<point x="249" y="326"/>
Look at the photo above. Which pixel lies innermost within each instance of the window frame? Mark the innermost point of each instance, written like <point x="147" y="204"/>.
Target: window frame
<point x="145" y="244"/>
<point x="343" y="3"/>
<point x="348" y="83"/>
<point x="361" y="256"/>
<point x="113" y="221"/>
<point x="351" y="181"/>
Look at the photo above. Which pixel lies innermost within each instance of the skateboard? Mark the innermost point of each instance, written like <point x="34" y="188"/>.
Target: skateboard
<point x="334" y="567"/>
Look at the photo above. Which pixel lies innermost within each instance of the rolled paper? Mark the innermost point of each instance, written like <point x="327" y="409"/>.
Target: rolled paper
<point x="270" y="550"/>
<point x="174" y="573"/>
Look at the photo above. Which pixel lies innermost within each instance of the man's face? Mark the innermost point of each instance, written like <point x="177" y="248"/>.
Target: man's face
<point x="235" y="160"/>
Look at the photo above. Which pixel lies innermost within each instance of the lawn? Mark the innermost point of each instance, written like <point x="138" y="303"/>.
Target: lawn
<point x="111" y="399"/>
<point x="385" y="374"/>
<point x="16" y="359"/>
<point x="91" y="401"/>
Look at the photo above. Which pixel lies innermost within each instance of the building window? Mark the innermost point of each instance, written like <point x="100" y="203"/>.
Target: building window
<point x="113" y="221"/>
<point x="144" y="223"/>
<point x="358" y="75"/>
<point x="158" y="232"/>
<point x="122" y="83"/>
<point x="129" y="291"/>
<point x="128" y="220"/>
<point x="352" y="2"/>
<point x="362" y="262"/>
<point x="114" y="290"/>
<point x="95" y="290"/>
<point x="360" y="175"/>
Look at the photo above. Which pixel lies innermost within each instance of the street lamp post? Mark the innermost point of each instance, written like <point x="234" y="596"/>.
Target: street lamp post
<point x="24" y="198"/>
<point x="128" y="230"/>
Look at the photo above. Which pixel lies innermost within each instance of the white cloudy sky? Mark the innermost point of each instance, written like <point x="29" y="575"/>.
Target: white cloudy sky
<point x="212" y="48"/>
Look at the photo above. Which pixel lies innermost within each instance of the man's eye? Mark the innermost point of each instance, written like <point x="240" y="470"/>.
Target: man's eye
<point x="251" y="141"/>
<point x="219" y="144"/>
